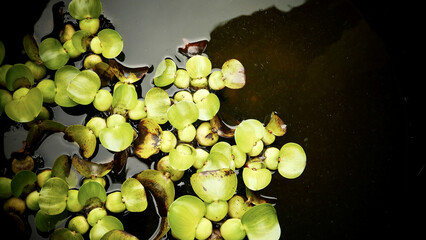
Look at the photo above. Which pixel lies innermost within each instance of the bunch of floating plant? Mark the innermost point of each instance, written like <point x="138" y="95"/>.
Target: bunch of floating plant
<point x="197" y="140"/>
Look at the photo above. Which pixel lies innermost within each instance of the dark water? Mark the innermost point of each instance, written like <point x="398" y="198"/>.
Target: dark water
<point x="320" y="65"/>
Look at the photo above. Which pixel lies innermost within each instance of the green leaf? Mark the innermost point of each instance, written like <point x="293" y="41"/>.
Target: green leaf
<point x="46" y="223"/>
<point x="184" y="215"/>
<point x="53" y="196"/>
<point x="214" y="185"/>
<point x="65" y="233"/>
<point x="208" y="107"/>
<point x="19" y="75"/>
<point x="112" y="43"/>
<point x="234" y="74"/>
<point x="83" y="87"/>
<point x="84" y="137"/>
<point x="182" y="157"/>
<point x="63" y="77"/>
<point x="182" y="114"/>
<point x="82" y="9"/>
<point x="26" y="108"/>
<point x="157" y="103"/>
<point x="21" y="180"/>
<point x="261" y="222"/>
<point x="103" y="226"/>
<point x="53" y="54"/>
<point x="124" y="97"/>
<point x="165" y="73"/>
<point x="134" y="196"/>
<point x="248" y="132"/>
<point x="89" y="191"/>
<point x="198" y="66"/>
<point x="117" y="138"/>
<point x="292" y="161"/>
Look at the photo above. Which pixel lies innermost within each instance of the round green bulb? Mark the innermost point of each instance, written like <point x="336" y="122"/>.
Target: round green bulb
<point x="79" y="224"/>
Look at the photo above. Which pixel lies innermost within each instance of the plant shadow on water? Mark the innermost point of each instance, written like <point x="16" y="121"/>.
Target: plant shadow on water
<point x="328" y="75"/>
<point x="325" y="71"/>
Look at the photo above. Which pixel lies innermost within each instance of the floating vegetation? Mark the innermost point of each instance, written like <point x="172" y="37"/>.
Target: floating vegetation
<point x="183" y="134"/>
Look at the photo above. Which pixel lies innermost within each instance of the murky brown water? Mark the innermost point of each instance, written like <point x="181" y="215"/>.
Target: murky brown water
<point x="318" y="64"/>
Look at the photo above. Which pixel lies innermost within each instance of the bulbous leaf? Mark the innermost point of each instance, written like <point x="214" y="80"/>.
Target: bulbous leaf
<point x="247" y="133"/>
<point x="117" y="138"/>
<point x="214" y="185"/>
<point x="216" y="80"/>
<point x="73" y="205"/>
<point x="271" y="158"/>
<point x="184" y="215"/>
<point x="62" y="168"/>
<point x="21" y="180"/>
<point x="149" y="138"/>
<point x="205" y="135"/>
<point x="182" y="114"/>
<point x="112" y="43"/>
<point x="19" y="75"/>
<point x="82" y="9"/>
<point x="48" y="90"/>
<point x="117" y="234"/>
<point x="90" y="169"/>
<point x="103" y="226"/>
<point x="208" y="107"/>
<point x="157" y="103"/>
<point x="53" y="54"/>
<point x="182" y="157"/>
<point x="53" y="196"/>
<point x="234" y="74"/>
<point x="103" y="100"/>
<point x="292" y="161"/>
<point x="165" y="73"/>
<point x="216" y="161"/>
<point x="134" y="196"/>
<point x="114" y="202"/>
<point x="46" y="223"/>
<point x="83" y="87"/>
<point x="233" y="229"/>
<point x="80" y="40"/>
<point x="261" y="222"/>
<point x="63" y="77"/>
<point x="26" y="108"/>
<point x="5" y="188"/>
<point x="5" y="97"/>
<point x="256" y="176"/>
<point x="91" y="190"/>
<point x="138" y="112"/>
<point x="163" y="165"/>
<point x="198" y="66"/>
<point x="65" y="233"/>
<point x="84" y="137"/>
<point x="124" y="97"/>
<point x="95" y="215"/>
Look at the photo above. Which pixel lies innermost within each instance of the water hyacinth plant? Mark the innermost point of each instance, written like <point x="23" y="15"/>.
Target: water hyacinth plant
<point x="182" y="134"/>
